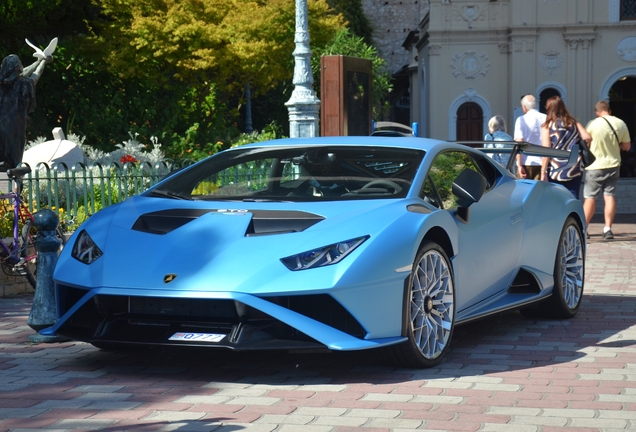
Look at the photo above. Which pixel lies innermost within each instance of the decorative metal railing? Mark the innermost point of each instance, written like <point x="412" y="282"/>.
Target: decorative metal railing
<point x="81" y="190"/>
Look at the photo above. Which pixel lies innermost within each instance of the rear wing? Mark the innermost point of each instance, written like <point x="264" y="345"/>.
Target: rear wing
<point x="386" y="128"/>
<point x="513" y="148"/>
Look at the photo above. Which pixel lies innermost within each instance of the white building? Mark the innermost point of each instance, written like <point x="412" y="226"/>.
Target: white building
<point x="467" y="60"/>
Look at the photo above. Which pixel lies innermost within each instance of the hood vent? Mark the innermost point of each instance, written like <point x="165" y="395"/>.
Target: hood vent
<point x="264" y="222"/>
<point x="267" y="222"/>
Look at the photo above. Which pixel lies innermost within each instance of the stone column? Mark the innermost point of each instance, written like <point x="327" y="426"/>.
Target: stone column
<point x="579" y="76"/>
<point x="303" y="106"/>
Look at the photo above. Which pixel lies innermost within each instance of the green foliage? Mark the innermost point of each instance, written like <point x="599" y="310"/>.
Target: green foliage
<point x="445" y="169"/>
<point x="105" y="193"/>
<point x="357" y="22"/>
<point x="345" y="43"/>
<point x="80" y="95"/>
<point x="166" y="68"/>
<point x="270" y="132"/>
<point x="269" y="108"/>
<point x="40" y="21"/>
<point x="225" y="42"/>
<point x="6" y="219"/>
<point x="173" y="69"/>
<point x="188" y="145"/>
<point x="109" y="186"/>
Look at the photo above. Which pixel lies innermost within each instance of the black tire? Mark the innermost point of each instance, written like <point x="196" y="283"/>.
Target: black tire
<point x="429" y="311"/>
<point x="569" y="273"/>
<point x="28" y="251"/>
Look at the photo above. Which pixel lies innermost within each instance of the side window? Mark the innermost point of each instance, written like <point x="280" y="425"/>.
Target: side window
<point x="437" y="189"/>
<point x="487" y="170"/>
<point x="429" y="193"/>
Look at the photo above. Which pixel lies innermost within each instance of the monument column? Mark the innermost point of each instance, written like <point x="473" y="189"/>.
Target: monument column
<point x="303" y="106"/>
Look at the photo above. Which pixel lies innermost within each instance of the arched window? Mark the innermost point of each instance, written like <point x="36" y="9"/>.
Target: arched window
<point x="545" y="95"/>
<point x="470" y="120"/>
<point x="622" y="99"/>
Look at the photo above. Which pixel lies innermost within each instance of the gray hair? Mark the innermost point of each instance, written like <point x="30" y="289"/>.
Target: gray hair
<point x="529" y="102"/>
<point x="497" y="123"/>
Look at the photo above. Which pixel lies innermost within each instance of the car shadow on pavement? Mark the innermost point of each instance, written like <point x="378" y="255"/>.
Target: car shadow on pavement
<point x="505" y="342"/>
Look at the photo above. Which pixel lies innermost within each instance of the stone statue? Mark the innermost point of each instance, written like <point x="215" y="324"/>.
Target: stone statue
<point x="17" y="100"/>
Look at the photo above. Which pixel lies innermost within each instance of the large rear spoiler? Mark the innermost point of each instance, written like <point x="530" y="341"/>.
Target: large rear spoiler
<point x="513" y="148"/>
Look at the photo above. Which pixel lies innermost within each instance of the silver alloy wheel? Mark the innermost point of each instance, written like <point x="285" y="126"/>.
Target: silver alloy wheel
<point x="571" y="266"/>
<point x="432" y="304"/>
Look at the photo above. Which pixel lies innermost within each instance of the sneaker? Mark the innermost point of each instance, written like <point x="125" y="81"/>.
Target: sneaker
<point x="608" y="235"/>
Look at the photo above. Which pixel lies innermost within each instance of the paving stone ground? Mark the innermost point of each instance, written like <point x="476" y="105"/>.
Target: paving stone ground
<point x="506" y="373"/>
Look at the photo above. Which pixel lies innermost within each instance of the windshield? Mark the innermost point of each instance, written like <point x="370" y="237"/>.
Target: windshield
<point x="296" y="174"/>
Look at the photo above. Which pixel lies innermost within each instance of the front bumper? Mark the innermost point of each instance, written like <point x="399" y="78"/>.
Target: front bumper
<point x="128" y="316"/>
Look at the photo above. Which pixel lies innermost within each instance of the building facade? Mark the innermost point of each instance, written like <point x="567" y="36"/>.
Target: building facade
<point x="467" y="60"/>
<point x="393" y="21"/>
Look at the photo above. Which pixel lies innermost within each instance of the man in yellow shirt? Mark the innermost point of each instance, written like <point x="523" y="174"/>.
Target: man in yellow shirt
<point x="609" y="136"/>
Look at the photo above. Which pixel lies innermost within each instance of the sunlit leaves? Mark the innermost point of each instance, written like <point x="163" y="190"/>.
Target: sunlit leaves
<point x="230" y="42"/>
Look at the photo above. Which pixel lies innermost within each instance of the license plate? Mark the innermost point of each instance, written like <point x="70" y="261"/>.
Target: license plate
<point x="197" y="337"/>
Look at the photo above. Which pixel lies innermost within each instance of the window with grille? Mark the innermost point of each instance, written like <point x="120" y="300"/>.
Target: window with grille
<point x="628" y="10"/>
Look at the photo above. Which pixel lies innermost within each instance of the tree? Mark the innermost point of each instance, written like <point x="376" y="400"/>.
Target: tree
<point x="40" y="21"/>
<point x="226" y="42"/>
<point x="357" y="22"/>
<point x="175" y="69"/>
<point x="200" y="54"/>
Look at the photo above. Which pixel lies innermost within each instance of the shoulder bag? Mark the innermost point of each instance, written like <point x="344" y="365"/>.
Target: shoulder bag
<point x="587" y="157"/>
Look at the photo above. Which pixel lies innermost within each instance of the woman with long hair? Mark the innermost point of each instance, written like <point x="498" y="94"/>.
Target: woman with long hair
<point x="561" y="131"/>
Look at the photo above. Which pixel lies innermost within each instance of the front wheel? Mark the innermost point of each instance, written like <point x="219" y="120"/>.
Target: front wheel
<point x="569" y="272"/>
<point x="429" y="317"/>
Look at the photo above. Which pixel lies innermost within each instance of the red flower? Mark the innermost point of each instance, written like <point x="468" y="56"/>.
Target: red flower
<point x="128" y="158"/>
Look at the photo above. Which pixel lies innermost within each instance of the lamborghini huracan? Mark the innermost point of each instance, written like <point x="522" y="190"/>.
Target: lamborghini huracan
<point x="337" y="243"/>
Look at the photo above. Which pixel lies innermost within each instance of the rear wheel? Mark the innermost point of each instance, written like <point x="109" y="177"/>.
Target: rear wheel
<point x="569" y="272"/>
<point x="429" y="317"/>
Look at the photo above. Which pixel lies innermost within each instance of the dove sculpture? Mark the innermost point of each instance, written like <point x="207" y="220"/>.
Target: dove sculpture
<point x="47" y="51"/>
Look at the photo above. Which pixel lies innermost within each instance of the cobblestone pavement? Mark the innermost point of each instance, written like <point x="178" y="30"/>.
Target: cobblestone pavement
<point x="506" y="373"/>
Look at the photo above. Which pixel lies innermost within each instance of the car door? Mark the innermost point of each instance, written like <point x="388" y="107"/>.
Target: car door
<point x="489" y="243"/>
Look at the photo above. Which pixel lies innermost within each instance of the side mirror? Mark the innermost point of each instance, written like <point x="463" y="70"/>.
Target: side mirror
<point x="468" y="187"/>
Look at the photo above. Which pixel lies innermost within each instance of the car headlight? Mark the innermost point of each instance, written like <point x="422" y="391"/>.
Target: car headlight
<point x="85" y="250"/>
<point x="324" y="256"/>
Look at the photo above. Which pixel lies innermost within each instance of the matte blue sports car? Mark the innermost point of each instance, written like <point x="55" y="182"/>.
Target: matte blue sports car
<point x="344" y="243"/>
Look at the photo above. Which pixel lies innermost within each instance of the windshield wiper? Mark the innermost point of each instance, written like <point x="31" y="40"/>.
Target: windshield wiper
<point x="167" y="194"/>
